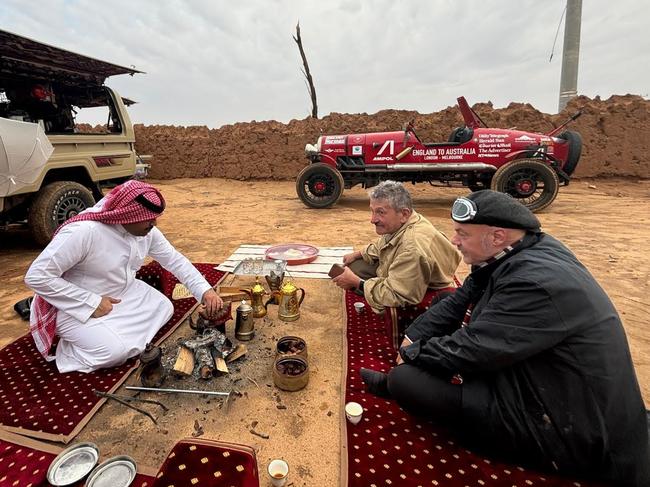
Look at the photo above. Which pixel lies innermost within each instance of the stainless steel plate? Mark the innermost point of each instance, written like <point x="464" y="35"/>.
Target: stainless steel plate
<point x="115" y="472"/>
<point x="72" y="464"/>
<point x="259" y="266"/>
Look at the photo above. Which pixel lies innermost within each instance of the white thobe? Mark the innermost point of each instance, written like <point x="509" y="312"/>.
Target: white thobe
<point x="87" y="260"/>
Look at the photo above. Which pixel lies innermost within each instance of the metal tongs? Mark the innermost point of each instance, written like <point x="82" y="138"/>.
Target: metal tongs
<point x="126" y="400"/>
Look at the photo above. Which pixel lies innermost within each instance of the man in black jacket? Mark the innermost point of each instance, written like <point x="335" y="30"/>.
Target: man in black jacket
<point x="528" y="357"/>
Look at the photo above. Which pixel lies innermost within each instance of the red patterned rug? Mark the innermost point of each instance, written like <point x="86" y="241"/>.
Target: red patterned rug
<point x="390" y="447"/>
<point x="24" y="463"/>
<point x="36" y="400"/>
<point x="205" y="462"/>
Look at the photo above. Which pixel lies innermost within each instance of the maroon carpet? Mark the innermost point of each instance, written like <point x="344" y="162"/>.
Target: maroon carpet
<point x="36" y="400"/>
<point x="205" y="462"/>
<point x="391" y="447"/>
<point x="24" y="463"/>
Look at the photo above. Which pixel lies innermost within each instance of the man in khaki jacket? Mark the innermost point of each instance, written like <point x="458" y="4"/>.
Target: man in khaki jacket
<point x="410" y="256"/>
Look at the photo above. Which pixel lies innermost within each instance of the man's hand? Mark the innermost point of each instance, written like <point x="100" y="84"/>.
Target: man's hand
<point x="105" y="306"/>
<point x="351" y="257"/>
<point x="405" y="343"/>
<point x="212" y="302"/>
<point x="347" y="280"/>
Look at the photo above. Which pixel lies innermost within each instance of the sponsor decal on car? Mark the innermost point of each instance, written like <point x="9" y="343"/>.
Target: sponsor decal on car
<point x="338" y="139"/>
<point x="357" y="150"/>
<point x="525" y="138"/>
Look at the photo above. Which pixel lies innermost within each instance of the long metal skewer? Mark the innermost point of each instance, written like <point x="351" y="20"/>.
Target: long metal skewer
<point x="184" y="391"/>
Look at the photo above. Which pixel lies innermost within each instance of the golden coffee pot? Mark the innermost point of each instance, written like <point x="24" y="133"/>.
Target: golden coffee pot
<point x="288" y="302"/>
<point x="256" y="295"/>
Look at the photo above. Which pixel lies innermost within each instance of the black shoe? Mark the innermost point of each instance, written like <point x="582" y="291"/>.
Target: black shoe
<point x="23" y="306"/>
<point x="376" y="382"/>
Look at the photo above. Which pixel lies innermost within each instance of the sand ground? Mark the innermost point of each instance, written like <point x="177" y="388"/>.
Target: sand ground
<point x="605" y="222"/>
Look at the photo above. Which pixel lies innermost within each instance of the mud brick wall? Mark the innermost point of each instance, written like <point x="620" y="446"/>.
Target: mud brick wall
<point x="615" y="132"/>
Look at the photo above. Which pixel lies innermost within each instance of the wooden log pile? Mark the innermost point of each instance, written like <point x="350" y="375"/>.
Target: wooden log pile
<point x="208" y="354"/>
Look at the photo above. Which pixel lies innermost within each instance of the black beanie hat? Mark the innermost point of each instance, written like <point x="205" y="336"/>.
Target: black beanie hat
<point x="499" y="210"/>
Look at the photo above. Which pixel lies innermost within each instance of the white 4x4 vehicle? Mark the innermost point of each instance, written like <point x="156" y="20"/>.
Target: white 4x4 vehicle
<point x="52" y="87"/>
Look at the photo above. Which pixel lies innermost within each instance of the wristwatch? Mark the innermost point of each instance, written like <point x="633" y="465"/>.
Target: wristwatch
<point x="361" y="283"/>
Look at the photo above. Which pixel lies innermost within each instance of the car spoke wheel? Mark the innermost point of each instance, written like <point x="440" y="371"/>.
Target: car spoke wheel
<point x="533" y="183"/>
<point x="319" y="185"/>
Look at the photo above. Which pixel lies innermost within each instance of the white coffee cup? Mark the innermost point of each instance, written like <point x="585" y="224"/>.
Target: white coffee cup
<point x="353" y="411"/>
<point x="278" y="471"/>
<point x="359" y="307"/>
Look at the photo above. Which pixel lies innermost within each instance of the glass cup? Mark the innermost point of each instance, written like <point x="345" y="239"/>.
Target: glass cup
<point x="278" y="471"/>
<point x="247" y="265"/>
<point x="258" y="266"/>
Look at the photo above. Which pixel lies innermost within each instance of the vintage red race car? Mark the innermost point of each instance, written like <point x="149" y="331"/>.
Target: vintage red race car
<point x="526" y="165"/>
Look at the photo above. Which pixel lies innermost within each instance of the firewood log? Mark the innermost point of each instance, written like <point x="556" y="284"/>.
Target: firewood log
<point x="220" y="366"/>
<point x="184" y="363"/>
<point x="239" y="351"/>
<point x="205" y="362"/>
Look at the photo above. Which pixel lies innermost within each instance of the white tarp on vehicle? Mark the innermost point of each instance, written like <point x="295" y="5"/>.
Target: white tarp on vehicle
<point x="24" y="150"/>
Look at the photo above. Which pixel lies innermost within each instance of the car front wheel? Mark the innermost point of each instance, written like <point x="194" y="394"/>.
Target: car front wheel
<point x="319" y="185"/>
<point x="53" y="205"/>
<point x="533" y="183"/>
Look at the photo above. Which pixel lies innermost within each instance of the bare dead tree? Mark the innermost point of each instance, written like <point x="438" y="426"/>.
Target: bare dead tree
<point x="306" y="73"/>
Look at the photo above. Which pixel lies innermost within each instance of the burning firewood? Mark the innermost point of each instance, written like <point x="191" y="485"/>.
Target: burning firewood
<point x="204" y="362"/>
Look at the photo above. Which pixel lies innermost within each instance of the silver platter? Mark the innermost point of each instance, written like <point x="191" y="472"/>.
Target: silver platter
<point x="72" y="464"/>
<point x="259" y="267"/>
<point x="115" y="472"/>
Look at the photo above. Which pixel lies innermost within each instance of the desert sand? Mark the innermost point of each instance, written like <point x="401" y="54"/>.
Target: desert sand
<point x="605" y="222"/>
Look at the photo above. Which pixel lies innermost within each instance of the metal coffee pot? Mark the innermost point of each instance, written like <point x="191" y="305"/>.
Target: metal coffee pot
<point x="244" y="325"/>
<point x="256" y="295"/>
<point x="288" y="302"/>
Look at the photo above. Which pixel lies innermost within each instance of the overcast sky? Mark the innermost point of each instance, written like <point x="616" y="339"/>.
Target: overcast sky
<point x="214" y="62"/>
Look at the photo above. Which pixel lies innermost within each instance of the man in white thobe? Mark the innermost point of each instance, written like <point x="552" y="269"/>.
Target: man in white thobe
<point x="86" y="290"/>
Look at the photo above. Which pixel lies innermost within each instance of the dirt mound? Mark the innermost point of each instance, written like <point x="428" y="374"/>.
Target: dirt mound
<point x="615" y="132"/>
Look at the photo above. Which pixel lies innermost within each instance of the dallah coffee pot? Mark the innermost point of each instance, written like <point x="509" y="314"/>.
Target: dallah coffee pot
<point x="288" y="302"/>
<point x="256" y="295"/>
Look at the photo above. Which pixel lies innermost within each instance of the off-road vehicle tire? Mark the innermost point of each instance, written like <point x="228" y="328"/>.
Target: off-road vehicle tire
<point x="575" y="149"/>
<point x="534" y="183"/>
<point x="53" y="205"/>
<point x="319" y="185"/>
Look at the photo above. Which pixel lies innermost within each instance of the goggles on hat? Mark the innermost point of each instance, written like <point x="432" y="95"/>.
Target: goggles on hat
<point x="463" y="210"/>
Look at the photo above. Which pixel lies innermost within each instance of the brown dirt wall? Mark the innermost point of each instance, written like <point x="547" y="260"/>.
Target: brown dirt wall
<point x="615" y="132"/>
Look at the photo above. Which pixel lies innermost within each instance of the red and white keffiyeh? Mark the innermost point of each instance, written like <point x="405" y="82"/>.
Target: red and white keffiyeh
<point x="131" y="202"/>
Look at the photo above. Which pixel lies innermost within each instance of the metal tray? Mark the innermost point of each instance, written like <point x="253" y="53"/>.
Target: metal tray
<point x="72" y="464"/>
<point x="115" y="472"/>
<point x="258" y="267"/>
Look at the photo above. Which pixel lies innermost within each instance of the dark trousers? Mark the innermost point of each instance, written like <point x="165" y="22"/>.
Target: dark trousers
<point x="424" y="394"/>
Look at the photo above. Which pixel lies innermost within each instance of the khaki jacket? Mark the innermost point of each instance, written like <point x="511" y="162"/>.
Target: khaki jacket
<point x="414" y="258"/>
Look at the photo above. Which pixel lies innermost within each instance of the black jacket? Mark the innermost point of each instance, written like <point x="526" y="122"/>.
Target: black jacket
<point x="546" y="365"/>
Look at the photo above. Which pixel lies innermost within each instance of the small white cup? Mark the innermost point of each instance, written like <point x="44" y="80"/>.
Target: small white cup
<point x="359" y="307"/>
<point x="278" y="471"/>
<point x="353" y="411"/>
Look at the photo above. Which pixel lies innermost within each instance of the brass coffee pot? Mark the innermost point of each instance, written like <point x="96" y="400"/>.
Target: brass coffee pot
<point x="256" y="295"/>
<point x="288" y="302"/>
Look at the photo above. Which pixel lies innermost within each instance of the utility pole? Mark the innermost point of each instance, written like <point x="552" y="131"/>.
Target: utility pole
<point x="570" y="53"/>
